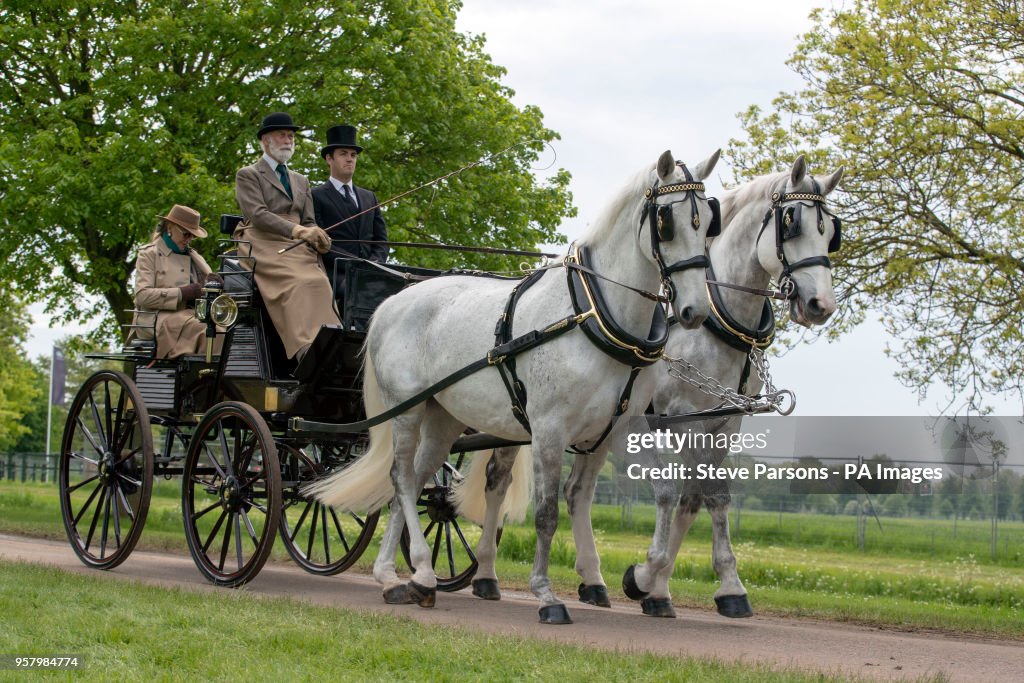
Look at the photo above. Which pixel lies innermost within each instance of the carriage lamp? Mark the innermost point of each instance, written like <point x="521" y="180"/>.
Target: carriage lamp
<point x="216" y="309"/>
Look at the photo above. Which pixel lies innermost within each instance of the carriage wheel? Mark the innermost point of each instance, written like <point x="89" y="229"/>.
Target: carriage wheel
<point x="106" y="469"/>
<point x="231" y="494"/>
<point x="450" y="541"/>
<point x="320" y="539"/>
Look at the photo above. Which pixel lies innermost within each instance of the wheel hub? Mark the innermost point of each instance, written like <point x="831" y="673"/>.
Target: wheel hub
<point x="230" y="494"/>
<point x="437" y="505"/>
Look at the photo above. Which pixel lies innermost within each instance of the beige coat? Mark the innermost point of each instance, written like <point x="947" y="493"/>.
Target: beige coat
<point x="294" y="285"/>
<point x="159" y="275"/>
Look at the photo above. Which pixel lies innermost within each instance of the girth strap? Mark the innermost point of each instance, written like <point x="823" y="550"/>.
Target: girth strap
<point x="507" y="366"/>
<point x="620" y="408"/>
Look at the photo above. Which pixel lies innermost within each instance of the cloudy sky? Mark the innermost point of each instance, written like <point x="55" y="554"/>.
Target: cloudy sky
<point x="624" y="80"/>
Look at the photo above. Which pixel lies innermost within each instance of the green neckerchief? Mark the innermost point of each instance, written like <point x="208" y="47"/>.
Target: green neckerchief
<point x="172" y="246"/>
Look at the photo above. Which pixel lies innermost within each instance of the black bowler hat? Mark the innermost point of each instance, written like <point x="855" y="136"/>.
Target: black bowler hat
<point x="276" y="121"/>
<point x="340" y="136"/>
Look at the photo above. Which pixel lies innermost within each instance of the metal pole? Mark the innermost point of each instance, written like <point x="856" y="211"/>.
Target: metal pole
<point x="49" y="419"/>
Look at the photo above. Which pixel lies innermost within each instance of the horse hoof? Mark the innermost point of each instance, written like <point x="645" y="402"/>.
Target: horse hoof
<point x="421" y="595"/>
<point x="594" y="595"/>
<point x="554" y="614"/>
<point x="629" y="586"/>
<point x="658" y="607"/>
<point x="486" y="589"/>
<point x="398" y="595"/>
<point x="734" y="606"/>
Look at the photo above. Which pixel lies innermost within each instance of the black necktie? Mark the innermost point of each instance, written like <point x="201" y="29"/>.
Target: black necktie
<point x="347" y="194"/>
<point x="282" y="173"/>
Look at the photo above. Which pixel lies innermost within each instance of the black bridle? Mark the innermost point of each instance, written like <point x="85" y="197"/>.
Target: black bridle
<point x="663" y="225"/>
<point x="787" y="226"/>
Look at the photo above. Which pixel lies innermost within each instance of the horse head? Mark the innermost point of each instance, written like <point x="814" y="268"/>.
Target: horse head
<point x="681" y="218"/>
<point x="796" y="237"/>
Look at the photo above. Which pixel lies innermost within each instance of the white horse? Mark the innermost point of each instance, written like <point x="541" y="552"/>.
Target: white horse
<point x="749" y="252"/>
<point x="752" y="249"/>
<point x="575" y="383"/>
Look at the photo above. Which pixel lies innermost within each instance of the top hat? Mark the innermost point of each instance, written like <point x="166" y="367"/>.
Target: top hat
<point x="340" y="136"/>
<point x="276" y="121"/>
<point x="186" y="218"/>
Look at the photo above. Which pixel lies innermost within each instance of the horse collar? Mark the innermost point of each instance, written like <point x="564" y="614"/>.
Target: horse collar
<point x="599" y="325"/>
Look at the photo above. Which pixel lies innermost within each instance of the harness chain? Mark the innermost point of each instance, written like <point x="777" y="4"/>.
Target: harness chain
<point x="770" y="399"/>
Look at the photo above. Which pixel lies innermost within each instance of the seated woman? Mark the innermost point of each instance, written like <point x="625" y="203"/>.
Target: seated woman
<point x="169" y="277"/>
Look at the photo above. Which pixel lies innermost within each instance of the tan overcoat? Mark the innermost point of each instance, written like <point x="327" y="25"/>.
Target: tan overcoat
<point x="159" y="273"/>
<point x="294" y="285"/>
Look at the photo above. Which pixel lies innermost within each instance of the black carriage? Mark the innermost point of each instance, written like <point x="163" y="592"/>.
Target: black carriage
<point x="222" y="424"/>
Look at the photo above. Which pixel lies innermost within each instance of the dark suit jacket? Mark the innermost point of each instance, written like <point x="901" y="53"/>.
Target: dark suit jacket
<point x="330" y="208"/>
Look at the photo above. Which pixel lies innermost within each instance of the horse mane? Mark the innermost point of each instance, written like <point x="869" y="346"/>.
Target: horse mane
<point x="761" y="186"/>
<point x="606" y="219"/>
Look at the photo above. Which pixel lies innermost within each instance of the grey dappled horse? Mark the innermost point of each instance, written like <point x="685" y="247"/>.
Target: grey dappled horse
<point x="435" y="328"/>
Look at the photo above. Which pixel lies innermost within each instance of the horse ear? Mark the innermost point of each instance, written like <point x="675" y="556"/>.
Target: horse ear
<point x="704" y="168"/>
<point x="666" y="163"/>
<point x="798" y="172"/>
<point x="832" y="181"/>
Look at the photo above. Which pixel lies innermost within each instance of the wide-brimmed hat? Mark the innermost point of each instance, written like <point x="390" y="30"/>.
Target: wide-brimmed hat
<point x="276" y="121"/>
<point x="185" y="218"/>
<point x="340" y="136"/>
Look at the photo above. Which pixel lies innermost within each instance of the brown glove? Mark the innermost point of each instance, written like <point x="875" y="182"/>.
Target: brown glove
<point x="191" y="292"/>
<point x="215" y="277"/>
<point x="316" y="237"/>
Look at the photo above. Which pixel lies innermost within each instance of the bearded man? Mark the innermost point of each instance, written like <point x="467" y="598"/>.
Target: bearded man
<point x="278" y="209"/>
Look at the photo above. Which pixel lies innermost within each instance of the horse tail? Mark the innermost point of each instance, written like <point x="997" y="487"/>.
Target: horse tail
<point x="520" y="491"/>
<point x="470" y="495"/>
<point x="365" y="485"/>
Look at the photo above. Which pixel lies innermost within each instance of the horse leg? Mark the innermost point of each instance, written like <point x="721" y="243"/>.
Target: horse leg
<point x="644" y="582"/>
<point x="499" y="476"/>
<point x="731" y="597"/>
<point x="579" y="496"/>
<point x="404" y="432"/>
<point x="547" y="461"/>
<point x="437" y="431"/>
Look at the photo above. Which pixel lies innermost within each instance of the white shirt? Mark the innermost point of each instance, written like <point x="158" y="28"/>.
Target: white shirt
<point x="351" y="188"/>
<point x="271" y="162"/>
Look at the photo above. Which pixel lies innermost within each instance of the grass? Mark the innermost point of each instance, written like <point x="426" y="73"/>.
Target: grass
<point x="136" y="632"/>
<point x="809" y="567"/>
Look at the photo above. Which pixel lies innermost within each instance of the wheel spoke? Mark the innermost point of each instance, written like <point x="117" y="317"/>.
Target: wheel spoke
<point x="341" y="531"/>
<point x="99" y="425"/>
<point x="465" y="543"/>
<point x="312" y="531"/>
<point x="212" y="506"/>
<point x="323" y="525"/>
<point x="448" y="548"/>
<point x="96" y="516"/>
<point x="88" y="502"/>
<point x="107" y="414"/>
<point x="213" y="460"/>
<point x="72" y="489"/>
<point x="130" y="454"/>
<point x="117" y="513"/>
<point x="238" y="540"/>
<point x="225" y="449"/>
<point x="79" y="456"/>
<point x="127" y="505"/>
<point x="213" y="534"/>
<point x="227" y="543"/>
<point x="251" y="529"/>
<point x="302" y="519"/>
<point x="90" y="438"/>
<point x="437" y="547"/>
<point x="106" y="521"/>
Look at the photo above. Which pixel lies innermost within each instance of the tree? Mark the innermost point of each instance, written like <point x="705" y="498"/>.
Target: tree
<point x="923" y="102"/>
<point x="114" y="111"/>
<point x="18" y="379"/>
